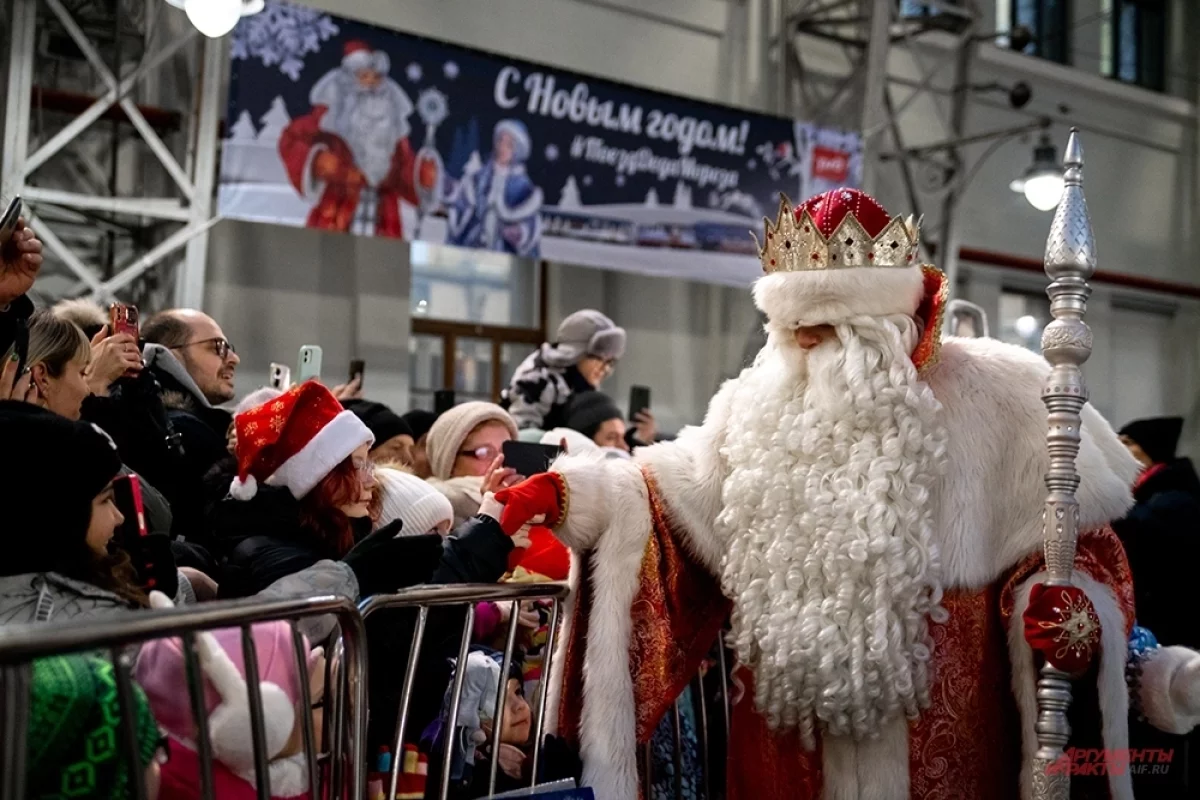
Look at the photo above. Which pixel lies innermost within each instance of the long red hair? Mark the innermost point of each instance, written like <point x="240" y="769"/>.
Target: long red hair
<point x="321" y="509"/>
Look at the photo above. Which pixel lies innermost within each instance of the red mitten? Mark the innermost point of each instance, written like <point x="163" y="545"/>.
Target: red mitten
<point x="1061" y="624"/>
<point x="542" y="494"/>
<point x="546" y="556"/>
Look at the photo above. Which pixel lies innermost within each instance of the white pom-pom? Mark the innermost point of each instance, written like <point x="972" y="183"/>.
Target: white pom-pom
<point x="243" y="490"/>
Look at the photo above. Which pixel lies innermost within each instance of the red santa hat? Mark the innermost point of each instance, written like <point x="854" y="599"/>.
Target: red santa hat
<point x="839" y="255"/>
<point x="357" y="54"/>
<point x="295" y="440"/>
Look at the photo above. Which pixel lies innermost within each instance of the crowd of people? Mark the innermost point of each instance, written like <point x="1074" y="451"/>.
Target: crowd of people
<point x="312" y="490"/>
<point x="320" y="490"/>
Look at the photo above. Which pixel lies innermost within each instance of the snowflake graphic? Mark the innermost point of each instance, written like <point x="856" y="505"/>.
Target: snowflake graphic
<point x="552" y="152"/>
<point x="282" y="35"/>
<point x="414" y="72"/>
<point x="450" y="69"/>
<point x="620" y="180"/>
<point x="432" y="107"/>
<point x="751" y="164"/>
<point x="587" y="180"/>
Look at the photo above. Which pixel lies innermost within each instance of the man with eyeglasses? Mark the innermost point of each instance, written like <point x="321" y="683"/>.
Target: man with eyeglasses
<point x="187" y="353"/>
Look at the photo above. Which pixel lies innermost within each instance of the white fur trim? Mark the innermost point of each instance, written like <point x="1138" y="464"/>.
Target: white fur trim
<point x="818" y="297"/>
<point x="343" y="434"/>
<point x="595" y="485"/>
<point x="359" y="59"/>
<point x="989" y="502"/>
<point x="562" y="642"/>
<point x="608" y="721"/>
<point x="870" y="769"/>
<point x="243" y="489"/>
<point x="690" y="473"/>
<point x="1113" y="691"/>
<point x="1170" y="689"/>
<point x="310" y="188"/>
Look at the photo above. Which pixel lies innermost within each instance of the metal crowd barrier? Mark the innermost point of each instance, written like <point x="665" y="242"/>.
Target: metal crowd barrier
<point x="345" y="685"/>
<point x="425" y="597"/>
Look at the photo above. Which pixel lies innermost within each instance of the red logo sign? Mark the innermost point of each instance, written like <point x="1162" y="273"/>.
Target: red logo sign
<point x="830" y="165"/>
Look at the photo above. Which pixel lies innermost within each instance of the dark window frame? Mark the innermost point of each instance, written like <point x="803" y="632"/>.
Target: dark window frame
<point x="1149" y="19"/>
<point x="1051" y="28"/>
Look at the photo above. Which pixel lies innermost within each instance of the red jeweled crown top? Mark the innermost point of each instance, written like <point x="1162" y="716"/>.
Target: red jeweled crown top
<point x="837" y="229"/>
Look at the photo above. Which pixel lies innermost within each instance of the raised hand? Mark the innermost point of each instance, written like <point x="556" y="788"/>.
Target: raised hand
<point x="20" y="260"/>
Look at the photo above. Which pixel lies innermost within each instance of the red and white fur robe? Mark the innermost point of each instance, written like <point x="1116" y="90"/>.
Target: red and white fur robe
<point x="647" y="605"/>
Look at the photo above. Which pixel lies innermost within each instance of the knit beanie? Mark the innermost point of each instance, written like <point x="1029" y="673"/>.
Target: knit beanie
<point x="419" y="421"/>
<point x="63" y="462"/>
<point x="587" y="411"/>
<point x="1157" y="436"/>
<point x="75" y="745"/>
<point x="408" y="498"/>
<point x="447" y="435"/>
<point x="584" y="333"/>
<point x="256" y="398"/>
<point x="381" y="420"/>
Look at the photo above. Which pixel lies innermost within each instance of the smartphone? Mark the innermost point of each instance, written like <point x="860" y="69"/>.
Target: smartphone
<point x="639" y="400"/>
<point x="529" y="458"/>
<point x="127" y="494"/>
<point x="123" y="318"/>
<point x="310" y="362"/>
<point x="357" y="368"/>
<point x="443" y="401"/>
<point x="8" y="222"/>
<point x="281" y="377"/>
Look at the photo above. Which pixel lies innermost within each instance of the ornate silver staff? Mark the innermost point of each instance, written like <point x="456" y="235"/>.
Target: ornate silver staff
<point x="1066" y="344"/>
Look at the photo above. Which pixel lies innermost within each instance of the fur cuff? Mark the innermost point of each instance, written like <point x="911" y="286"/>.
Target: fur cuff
<point x="818" y="297"/>
<point x="1170" y="689"/>
<point x="594" y="484"/>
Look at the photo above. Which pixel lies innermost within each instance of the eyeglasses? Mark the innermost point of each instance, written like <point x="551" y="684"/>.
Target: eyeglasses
<point x="366" y="472"/>
<point x="222" y="347"/>
<point x="607" y="364"/>
<point x="485" y="453"/>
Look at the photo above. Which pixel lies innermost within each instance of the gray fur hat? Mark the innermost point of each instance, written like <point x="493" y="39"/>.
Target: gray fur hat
<point x="584" y="333"/>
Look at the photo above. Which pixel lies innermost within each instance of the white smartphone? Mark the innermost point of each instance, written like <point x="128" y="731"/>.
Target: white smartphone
<point x="281" y="377"/>
<point x="310" y="362"/>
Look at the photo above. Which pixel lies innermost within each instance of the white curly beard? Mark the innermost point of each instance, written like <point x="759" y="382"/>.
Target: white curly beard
<point x="831" y="561"/>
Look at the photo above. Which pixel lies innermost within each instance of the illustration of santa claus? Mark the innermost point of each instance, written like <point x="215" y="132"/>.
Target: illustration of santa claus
<point x="351" y="153"/>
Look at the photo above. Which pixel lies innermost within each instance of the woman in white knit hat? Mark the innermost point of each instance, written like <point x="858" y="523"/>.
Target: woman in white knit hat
<point x="421" y="507"/>
<point x="465" y="458"/>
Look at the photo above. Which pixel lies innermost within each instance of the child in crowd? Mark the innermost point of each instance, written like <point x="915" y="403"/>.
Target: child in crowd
<point x="75" y="748"/>
<point x="162" y="672"/>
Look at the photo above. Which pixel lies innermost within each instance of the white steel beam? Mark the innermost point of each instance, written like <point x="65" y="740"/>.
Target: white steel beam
<point x="189" y="283"/>
<point x="105" y="102"/>
<point x="160" y="251"/>
<point x="874" y="110"/>
<point x="68" y="256"/>
<point x="156" y="207"/>
<point x="15" y="144"/>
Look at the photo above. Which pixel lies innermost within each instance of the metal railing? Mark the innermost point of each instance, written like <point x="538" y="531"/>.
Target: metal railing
<point x="20" y="645"/>
<point x="468" y="595"/>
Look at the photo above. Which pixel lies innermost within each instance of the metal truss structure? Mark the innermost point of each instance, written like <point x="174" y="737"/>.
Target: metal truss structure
<point x="75" y="144"/>
<point x="862" y="64"/>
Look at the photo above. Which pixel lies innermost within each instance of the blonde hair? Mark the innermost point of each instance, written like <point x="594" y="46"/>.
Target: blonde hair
<point x="54" y="342"/>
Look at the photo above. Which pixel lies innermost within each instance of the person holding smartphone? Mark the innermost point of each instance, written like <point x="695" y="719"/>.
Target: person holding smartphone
<point x="20" y="260"/>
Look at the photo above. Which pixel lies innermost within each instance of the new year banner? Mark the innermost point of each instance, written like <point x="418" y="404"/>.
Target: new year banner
<point x="344" y="126"/>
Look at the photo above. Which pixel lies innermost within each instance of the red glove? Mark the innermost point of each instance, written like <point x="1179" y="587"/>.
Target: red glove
<point x="541" y="494"/>
<point x="1061" y="624"/>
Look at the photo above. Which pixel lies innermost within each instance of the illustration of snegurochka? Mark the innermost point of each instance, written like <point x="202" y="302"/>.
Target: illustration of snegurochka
<point x="352" y="150"/>
<point x="496" y="206"/>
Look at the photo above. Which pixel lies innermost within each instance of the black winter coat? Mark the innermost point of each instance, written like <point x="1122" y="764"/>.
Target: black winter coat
<point x="1161" y="534"/>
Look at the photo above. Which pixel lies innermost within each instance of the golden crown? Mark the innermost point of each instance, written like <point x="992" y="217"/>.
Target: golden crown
<point x="795" y="243"/>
